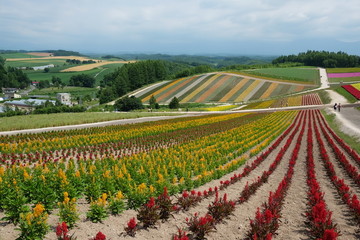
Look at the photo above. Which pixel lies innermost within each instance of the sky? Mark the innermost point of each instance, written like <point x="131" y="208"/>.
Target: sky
<point x="233" y="27"/>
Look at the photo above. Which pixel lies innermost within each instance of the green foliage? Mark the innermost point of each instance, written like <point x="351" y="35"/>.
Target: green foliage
<point x="13" y="202"/>
<point x="82" y="80"/>
<point x="46" y="109"/>
<point x="174" y="103"/>
<point x="61" y="52"/>
<point x="67" y="210"/>
<point x="33" y="224"/>
<point x="131" y="77"/>
<point x="117" y="204"/>
<point x="128" y="103"/>
<point x="153" y="103"/>
<point x="195" y="70"/>
<point x="11" y="77"/>
<point x="321" y="59"/>
<point x="44" y="84"/>
<point x="97" y="211"/>
<point x="324" y="96"/>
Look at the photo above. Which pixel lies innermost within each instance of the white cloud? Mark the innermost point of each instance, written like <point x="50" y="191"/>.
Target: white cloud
<point x="177" y="21"/>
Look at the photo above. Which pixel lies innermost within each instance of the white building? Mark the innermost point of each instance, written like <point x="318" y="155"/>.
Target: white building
<point x="64" y="98"/>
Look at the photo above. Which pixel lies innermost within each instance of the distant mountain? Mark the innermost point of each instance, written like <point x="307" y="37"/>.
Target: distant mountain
<point x="59" y="52"/>
<point x="195" y="60"/>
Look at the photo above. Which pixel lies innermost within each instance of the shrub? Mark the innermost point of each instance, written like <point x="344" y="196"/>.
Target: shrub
<point x="67" y="210"/>
<point x="97" y="211"/>
<point x="149" y="214"/>
<point x="33" y="225"/>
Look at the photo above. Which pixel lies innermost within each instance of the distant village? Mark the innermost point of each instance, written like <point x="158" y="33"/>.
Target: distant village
<point x="14" y="100"/>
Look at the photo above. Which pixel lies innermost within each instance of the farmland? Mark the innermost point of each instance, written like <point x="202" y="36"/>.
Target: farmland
<point x="296" y="74"/>
<point x="291" y="154"/>
<point x="222" y="88"/>
<point x="62" y="69"/>
<point x="343" y="74"/>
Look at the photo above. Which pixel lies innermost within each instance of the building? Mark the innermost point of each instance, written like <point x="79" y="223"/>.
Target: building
<point x="27" y="105"/>
<point x="43" y="67"/>
<point x="64" y="98"/>
<point x="10" y="93"/>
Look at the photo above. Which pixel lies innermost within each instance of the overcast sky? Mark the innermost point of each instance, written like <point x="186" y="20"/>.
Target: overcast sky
<point x="239" y="27"/>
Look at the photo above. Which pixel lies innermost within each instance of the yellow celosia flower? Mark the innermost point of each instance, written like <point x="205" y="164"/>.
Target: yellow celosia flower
<point x="26" y="175"/>
<point x="38" y="210"/>
<point x="142" y="188"/>
<point x="119" y="195"/>
<point x="106" y="174"/>
<point x="152" y="189"/>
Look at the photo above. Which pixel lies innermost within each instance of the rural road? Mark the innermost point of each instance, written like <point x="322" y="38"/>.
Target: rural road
<point x="351" y="122"/>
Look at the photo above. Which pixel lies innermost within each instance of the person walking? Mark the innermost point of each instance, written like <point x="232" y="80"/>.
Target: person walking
<point x="338" y="107"/>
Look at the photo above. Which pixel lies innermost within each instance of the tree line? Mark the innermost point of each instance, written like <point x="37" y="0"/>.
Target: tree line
<point x="77" y="61"/>
<point x="321" y="59"/>
<point x="11" y="77"/>
<point x="131" y="77"/>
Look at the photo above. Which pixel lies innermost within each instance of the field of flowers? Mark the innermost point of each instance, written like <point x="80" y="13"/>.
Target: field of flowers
<point x="220" y="87"/>
<point x="353" y="89"/>
<point x="137" y="160"/>
<point x="245" y="176"/>
<point x="299" y="100"/>
<point x="343" y="74"/>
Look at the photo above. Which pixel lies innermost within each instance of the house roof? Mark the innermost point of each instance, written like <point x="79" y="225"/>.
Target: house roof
<point x="28" y="102"/>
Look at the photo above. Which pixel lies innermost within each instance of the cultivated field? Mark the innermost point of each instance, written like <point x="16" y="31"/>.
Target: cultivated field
<point x="86" y="67"/>
<point x="221" y="88"/>
<point x="236" y="176"/>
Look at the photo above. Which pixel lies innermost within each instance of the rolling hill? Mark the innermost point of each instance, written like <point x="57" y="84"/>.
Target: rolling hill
<point x="220" y="87"/>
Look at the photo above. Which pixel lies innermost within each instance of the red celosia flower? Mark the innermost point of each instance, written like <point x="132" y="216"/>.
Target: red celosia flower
<point x="62" y="231"/>
<point x="100" y="236"/>
<point x="132" y="224"/>
<point x="151" y="202"/>
<point x="330" y="234"/>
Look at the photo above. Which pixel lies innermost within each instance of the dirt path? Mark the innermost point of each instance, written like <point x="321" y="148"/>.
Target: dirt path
<point x="341" y="213"/>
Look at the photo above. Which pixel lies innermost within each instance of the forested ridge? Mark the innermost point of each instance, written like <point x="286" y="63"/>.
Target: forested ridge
<point x="321" y="59"/>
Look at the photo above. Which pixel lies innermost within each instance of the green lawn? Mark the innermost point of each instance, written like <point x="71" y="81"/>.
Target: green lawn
<point x="74" y="91"/>
<point x="61" y="119"/>
<point x="348" y="79"/>
<point x="17" y="55"/>
<point x="64" y="76"/>
<point x="310" y="75"/>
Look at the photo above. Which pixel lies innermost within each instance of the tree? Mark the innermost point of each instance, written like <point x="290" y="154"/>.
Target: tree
<point x="128" y="103"/>
<point x="44" y="84"/>
<point x="82" y="80"/>
<point x="174" y="103"/>
<point x="152" y="102"/>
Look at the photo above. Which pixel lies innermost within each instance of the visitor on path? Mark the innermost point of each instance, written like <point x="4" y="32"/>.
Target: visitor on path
<point x="335" y="106"/>
<point x="339" y="107"/>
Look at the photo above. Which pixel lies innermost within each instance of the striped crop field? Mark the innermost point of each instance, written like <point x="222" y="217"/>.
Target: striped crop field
<point x="343" y="74"/>
<point x="219" y="87"/>
<point x="299" y="100"/>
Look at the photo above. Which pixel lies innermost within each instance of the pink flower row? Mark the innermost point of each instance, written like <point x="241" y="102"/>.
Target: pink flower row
<point x="343" y="75"/>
